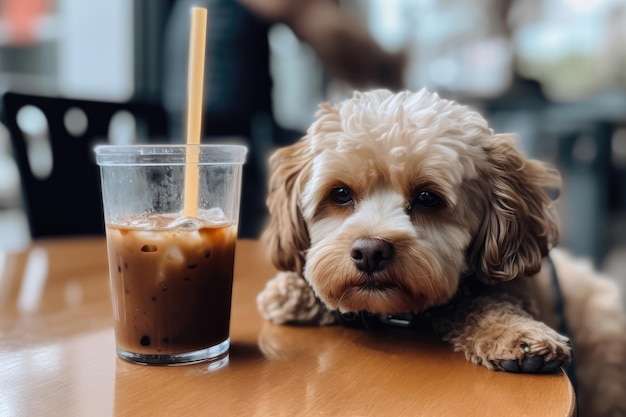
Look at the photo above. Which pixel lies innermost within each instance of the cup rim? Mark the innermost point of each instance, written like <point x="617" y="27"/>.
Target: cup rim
<point x="169" y="154"/>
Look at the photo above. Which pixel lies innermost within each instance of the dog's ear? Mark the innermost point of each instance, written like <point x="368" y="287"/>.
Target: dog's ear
<point x="520" y="224"/>
<point x="286" y="235"/>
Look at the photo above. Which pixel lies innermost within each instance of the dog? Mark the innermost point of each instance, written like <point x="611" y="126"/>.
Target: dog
<point x="408" y="202"/>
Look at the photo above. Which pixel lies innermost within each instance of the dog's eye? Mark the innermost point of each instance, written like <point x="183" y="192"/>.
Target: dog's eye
<point x="427" y="200"/>
<point x="341" y="195"/>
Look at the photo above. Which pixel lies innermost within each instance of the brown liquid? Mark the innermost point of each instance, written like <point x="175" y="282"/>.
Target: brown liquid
<point x="171" y="287"/>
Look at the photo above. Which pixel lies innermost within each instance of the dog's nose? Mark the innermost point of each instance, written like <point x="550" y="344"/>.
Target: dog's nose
<point x="371" y="255"/>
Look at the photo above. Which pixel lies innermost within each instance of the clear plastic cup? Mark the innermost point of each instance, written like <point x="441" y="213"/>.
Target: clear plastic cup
<point x="171" y="275"/>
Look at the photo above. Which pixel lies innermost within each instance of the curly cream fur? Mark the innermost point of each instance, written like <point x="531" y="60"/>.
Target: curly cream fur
<point x="473" y="265"/>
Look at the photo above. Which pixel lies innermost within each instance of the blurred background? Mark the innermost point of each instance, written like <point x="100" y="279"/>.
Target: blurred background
<point x="553" y="71"/>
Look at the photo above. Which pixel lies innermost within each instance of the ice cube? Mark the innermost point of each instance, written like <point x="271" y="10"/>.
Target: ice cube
<point x="175" y="255"/>
<point x="149" y="236"/>
<point x="141" y="222"/>
<point x="214" y="216"/>
<point x="185" y="223"/>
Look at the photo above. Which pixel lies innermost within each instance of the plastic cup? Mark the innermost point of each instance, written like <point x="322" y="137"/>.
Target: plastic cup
<point x="171" y="275"/>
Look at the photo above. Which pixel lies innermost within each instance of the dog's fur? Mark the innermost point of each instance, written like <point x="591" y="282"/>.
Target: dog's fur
<point x="454" y="223"/>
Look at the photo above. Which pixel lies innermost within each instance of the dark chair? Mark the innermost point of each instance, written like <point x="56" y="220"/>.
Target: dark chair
<point x="67" y="201"/>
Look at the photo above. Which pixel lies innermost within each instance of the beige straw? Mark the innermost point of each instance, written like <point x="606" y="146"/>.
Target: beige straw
<point x="194" y="108"/>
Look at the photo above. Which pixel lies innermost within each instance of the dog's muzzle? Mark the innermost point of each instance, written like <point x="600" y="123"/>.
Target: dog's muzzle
<point x="371" y="255"/>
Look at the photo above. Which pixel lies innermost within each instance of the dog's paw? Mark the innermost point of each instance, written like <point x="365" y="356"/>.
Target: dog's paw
<point x="288" y="298"/>
<point x="531" y="365"/>
<point x="531" y="347"/>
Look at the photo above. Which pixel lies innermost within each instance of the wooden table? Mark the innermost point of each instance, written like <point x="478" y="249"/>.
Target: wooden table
<point x="57" y="357"/>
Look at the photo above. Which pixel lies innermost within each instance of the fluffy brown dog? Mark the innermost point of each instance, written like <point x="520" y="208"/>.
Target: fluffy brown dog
<point x="410" y="203"/>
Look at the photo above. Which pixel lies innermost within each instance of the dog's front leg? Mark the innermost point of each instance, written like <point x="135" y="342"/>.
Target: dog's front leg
<point x="288" y="299"/>
<point x="499" y="334"/>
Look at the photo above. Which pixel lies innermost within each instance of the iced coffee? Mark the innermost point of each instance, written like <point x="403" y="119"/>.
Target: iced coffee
<point x="171" y="281"/>
<point x="171" y="251"/>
